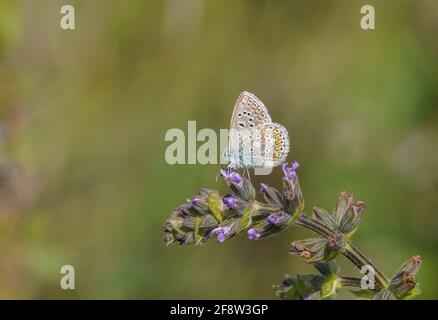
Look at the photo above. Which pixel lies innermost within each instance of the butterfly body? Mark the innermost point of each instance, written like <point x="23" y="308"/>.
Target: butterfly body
<point x="254" y="140"/>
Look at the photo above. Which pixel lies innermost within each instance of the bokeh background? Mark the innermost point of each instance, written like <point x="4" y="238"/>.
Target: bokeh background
<point x="83" y="114"/>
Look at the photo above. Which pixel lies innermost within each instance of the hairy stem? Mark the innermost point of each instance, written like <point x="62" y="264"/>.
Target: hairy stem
<point x="359" y="260"/>
<point x="350" y="251"/>
<point x="350" y="282"/>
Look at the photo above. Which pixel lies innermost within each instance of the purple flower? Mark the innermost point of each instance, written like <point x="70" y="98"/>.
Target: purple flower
<point x="252" y="234"/>
<point x="290" y="172"/>
<point x="263" y="187"/>
<point x="273" y="219"/>
<point x="221" y="233"/>
<point x="234" y="177"/>
<point x="230" y="202"/>
<point x="195" y="201"/>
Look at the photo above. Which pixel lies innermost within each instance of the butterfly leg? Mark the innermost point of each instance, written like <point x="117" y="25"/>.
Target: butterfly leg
<point x="248" y="174"/>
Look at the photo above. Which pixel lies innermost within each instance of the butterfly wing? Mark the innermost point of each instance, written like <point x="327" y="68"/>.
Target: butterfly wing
<point x="254" y="141"/>
<point x="249" y="112"/>
<point x="271" y="145"/>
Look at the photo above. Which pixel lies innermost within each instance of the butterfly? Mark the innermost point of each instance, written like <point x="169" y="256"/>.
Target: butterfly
<point x="254" y="141"/>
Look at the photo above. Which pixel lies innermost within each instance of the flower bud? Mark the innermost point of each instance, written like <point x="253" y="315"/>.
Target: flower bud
<point x="239" y="184"/>
<point x="273" y="219"/>
<point x="404" y="283"/>
<point x="272" y="196"/>
<point x="290" y="172"/>
<point x="230" y="202"/>
<point x="348" y="214"/>
<point x="313" y="250"/>
<point x="253" y="234"/>
<point x="221" y="233"/>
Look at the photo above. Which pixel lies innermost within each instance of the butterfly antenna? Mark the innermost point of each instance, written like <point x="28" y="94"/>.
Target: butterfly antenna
<point x="219" y="173"/>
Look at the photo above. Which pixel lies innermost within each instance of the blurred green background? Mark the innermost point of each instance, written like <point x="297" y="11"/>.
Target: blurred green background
<point x="83" y="115"/>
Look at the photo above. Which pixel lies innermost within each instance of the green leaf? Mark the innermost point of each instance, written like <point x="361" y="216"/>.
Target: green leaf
<point x="197" y="233"/>
<point x="329" y="286"/>
<point x="215" y="205"/>
<point x="245" y="220"/>
<point x="300" y="285"/>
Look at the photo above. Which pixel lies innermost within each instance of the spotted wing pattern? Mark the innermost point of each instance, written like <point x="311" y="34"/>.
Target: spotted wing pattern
<point x="254" y="140"/>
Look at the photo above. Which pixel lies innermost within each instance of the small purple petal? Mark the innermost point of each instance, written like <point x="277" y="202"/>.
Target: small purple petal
<point x="220" y="233"/>
<point x="295" y="165"/>
<point x="263" y="187"/>
<point x="195" y="201"/>
<point x="230" y="201"/>
<point x="273" y="219"/>
<point x="290" y="172"/>
<point x="236" y="178"/>
<point x="221" y="237"/>
<point x="252" y="234"/>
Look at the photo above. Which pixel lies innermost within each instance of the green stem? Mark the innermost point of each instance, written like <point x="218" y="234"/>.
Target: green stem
<point x="359" y="260"/>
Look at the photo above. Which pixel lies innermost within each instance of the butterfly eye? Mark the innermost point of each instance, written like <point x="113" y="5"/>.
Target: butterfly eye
<point x="239" y="114"/>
